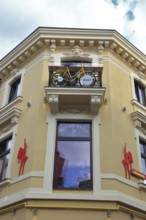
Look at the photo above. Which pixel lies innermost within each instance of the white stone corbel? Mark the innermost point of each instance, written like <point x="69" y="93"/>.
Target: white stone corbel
<point x="54" y="103"/>
<point x="62" y="43"/>
<point x="72" y="43"/>
<point x="40" y="43"/>
<point x="119" y="50"/>
<point x="137" y="124"/>
<point x="14" y="71"/>
<point x="130" y="59"/>
<point x="124" y="55"/>
<point x="91" y="43"/>
<point x="95" y="102"/>
<point x="113" y="46"/>
<point x="14" y="120"/>
<point x="33" y="49"/>
<point x="141" y="68"/>
<point x="81" y="42"/>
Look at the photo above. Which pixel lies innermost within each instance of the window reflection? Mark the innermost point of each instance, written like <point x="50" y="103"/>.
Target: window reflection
<point x="74" y="130"/>
<point x="5" y="147"/>
<point x="143" y="155"/>
<point x="73" y="157"/>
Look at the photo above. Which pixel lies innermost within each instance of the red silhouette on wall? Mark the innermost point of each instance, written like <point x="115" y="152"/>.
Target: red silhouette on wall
<point x="22" y="158"/>
<point x="127" y="162"/>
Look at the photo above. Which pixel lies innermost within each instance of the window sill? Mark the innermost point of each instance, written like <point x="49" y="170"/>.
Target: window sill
<point x="135" y="102"/>
<point x="142" y="184"/>
<point x="10" y="105"/>
<point x="5" y="182"/>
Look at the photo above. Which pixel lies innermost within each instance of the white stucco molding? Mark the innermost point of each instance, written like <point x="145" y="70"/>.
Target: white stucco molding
<point x="93" y="98"/>
<point x="12" y="115"/>
<point x="139" y="120"/>
<point x="62" y="37"/>
<point x="101" y="195"/>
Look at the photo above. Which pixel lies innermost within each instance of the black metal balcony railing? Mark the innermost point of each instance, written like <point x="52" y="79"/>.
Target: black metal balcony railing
<point x="89" y="77"/>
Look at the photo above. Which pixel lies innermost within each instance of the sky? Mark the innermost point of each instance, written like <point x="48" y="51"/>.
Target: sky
<point x="19" y="18"/>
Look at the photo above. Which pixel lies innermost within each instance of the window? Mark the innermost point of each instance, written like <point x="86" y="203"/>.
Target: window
<point x="143" y="155"/>
<point x="140" y="93"/>
<point x="14" y="90"/>
<point x="5" y="147"/>
<point x="72" y="168"/>
<point x="75" y="63"/>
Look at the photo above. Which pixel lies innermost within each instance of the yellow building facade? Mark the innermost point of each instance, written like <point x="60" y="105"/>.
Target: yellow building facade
<point x="73" y="127"/>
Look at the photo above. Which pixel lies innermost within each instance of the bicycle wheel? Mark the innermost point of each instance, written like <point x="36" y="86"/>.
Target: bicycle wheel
<point x="87" y="80"/>
<point x="58" y="79"/>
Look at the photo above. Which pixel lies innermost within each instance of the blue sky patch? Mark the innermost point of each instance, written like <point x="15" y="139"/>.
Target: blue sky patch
<point x="130" y="16"/>
<point x="115" y="2"/>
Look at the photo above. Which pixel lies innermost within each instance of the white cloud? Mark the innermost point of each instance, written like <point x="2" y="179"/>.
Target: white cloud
<point x="19" y="18"/>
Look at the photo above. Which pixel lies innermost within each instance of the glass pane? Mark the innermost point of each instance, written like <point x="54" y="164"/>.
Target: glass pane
<point x="1" y="167"/>
<point x="74" y="130"/>
<point x="76" y="63"/>
<point x="72" y="165"/>
<point x="9" y="144"/>
<point x="142" y="148"/>
<point x="5" y="147"/>
<point x="143" y="165"/>
<point x="5" y="166"/>
<point x="15" y="90"/>
<point x="141" y="95"/>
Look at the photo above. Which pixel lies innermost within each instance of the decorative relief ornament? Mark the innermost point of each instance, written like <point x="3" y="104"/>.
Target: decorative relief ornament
<point x="52" y="49"/>
<point x="77" y="52"/>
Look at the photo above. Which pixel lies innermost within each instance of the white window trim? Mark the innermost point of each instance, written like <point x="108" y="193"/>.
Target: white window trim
<point x="50" y="148"/>
<point x="3" y="136"/>
<point x="139" y="135"/>
<point x="8" y="86"/>
<point x="133" y="78"/>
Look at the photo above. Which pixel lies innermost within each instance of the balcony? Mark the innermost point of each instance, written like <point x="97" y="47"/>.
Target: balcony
<point x="75" y="89"/>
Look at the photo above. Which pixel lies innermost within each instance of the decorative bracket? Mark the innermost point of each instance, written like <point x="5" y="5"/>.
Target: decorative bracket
<point x="54" y="102"/>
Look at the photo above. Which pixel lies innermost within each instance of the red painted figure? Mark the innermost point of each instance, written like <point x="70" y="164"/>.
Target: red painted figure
<point x="22" y="158"/>
<point x="127" y="162"/>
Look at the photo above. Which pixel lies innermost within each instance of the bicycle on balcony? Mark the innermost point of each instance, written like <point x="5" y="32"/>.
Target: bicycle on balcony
<point x="83" y="78"/>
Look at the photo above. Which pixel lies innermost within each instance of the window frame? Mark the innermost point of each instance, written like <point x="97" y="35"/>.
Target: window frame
<point x="143" y="155"/>
<point x="74" y="139"/>
<point x="50" y="148"/>
<point x="14" y="89"/>
<point x="8" y="87"/>
<point x="3" y="155"/>
<point x="76" y="63"/>
<point x="140" y="87"/>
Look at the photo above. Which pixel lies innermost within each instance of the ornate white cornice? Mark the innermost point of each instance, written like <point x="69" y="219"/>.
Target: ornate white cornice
<point x="54" y="38"/>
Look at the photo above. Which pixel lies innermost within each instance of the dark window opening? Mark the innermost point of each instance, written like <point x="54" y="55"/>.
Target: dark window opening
<point x="76" y="63"/>
<point x="140" y="93"/>
<point x="143" y="155"/>
<point x="72" y="168"/>
<point x="5" y="147"/>
<point x="14" y="90"/>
